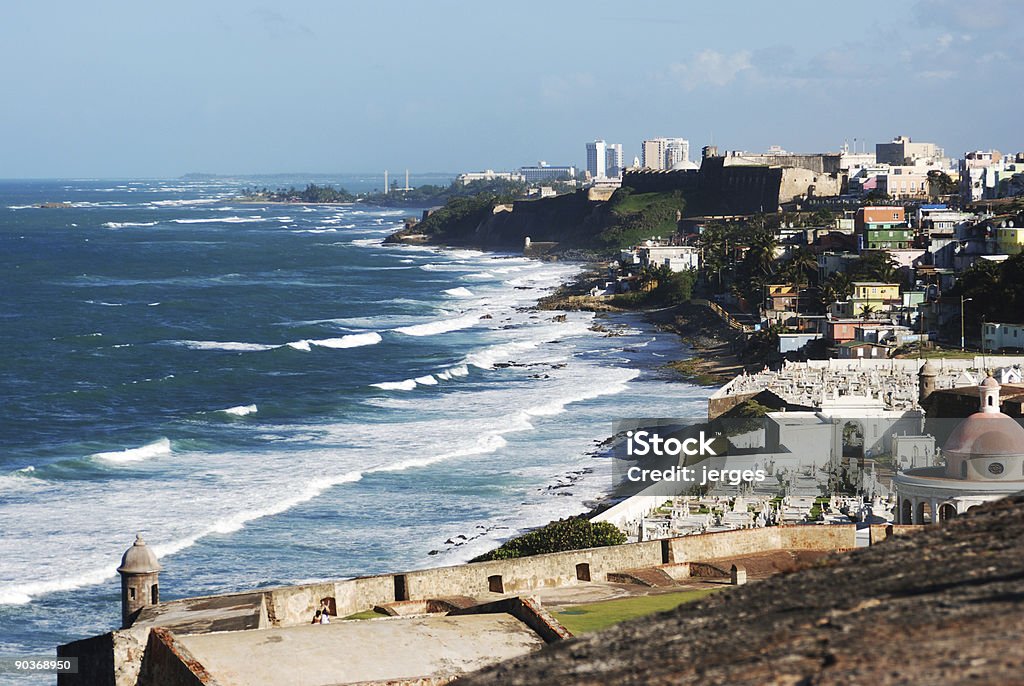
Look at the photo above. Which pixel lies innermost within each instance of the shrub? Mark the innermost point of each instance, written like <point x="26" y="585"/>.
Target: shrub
<point x="574" y="533"/>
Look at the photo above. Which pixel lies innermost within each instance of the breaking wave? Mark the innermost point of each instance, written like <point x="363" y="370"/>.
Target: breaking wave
<point x="155" y="449"/>
<point x="440" y="326"/>
<point x="240" y="410"/>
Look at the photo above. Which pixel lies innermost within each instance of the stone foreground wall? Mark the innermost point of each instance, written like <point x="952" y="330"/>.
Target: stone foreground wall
<point x="296" y="604"/>
<point x="115" y="659"/>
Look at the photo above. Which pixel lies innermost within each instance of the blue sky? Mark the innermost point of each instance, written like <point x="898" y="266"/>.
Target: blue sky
<point x="122" y="89"/>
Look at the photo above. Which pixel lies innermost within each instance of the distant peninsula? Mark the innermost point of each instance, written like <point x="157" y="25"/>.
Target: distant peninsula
<point x="312" y="193"/>
<point x="425" y="196"/>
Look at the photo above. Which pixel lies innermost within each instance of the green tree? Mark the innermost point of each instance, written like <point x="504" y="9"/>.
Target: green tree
<point x="760" y="259"/>
<point x="939" y="183"/>
<point x="836" y="288"/>
<point x="874" y="265"/>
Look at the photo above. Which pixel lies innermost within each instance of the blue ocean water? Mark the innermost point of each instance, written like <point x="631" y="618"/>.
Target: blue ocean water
<point x="271" y="396"/>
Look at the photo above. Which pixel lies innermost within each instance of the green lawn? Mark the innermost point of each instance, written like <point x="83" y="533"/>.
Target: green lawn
<point x="637" y="202"/>
<point x="943" y="353"/>
<point x="366" y="614"/>
<point x="581" y="619"/>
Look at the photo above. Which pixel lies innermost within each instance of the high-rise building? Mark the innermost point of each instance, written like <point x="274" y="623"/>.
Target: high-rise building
<point x="904" y="152"/>
<point x="652" y="154"/>
<point x="596" y="159"/>
<point x="665" y="153"/>
<point x="613" y="160"/>
<point x="677" y="151"/>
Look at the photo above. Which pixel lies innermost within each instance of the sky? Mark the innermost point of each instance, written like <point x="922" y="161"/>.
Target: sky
<point x="139" y="89"/>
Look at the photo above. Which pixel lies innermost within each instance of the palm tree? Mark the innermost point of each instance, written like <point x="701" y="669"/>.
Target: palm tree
<point x="801" y="263"/>
<point x="837" y="287"/>
<point x="761" y="252"/>
<point x="867" y="312"/>
<point x="875" y="266"/>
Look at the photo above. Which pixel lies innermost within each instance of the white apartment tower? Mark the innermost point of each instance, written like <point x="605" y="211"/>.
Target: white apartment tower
<point x="597" y="159"/>
<point x="665" y="153"/>
<point x="613" y="160"/>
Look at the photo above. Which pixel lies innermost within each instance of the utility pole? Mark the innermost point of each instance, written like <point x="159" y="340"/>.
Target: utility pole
<point x="962" y="301"/>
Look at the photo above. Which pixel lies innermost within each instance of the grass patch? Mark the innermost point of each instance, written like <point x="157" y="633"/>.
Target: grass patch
<point x="936" y="353"/>
<point x="366" y="614"/>
<point x="637" y="202"/>
<point x="581" y="619"/>
<point x="693" y="370"/>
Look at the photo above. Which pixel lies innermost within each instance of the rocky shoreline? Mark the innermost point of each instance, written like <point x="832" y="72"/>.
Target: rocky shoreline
<point x="710" y="362"/>
<point x="714" y="347"/>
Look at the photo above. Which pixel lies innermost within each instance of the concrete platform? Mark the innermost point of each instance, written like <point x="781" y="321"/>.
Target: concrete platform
<point x="362" y="651"/>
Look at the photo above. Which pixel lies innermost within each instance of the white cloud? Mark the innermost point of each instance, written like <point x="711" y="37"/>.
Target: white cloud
<point x="710" y="67"/>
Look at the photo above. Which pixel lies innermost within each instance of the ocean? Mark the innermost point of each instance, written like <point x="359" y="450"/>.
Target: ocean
<point x="271" y="396"/>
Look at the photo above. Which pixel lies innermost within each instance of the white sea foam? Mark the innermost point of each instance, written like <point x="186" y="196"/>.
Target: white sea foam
<point x="240" y="410"/>
<point x="230" y="346"/>
<point x="104" y="304"/>
<point x="460" y="292"/>
<point x="504" y="352"/>
<point x="221" y="220"/>
<point x="407" y="385"/>
<point x="440" y="326"/>
<point x="427" y="380"/>
<point x="178" y="203"/>
<point x="355" y="340"/>
<point x="159" y="447"/>
<point x="127" y="225"/>
<point x="368" y="242"/>
<point x="300" y="345"/>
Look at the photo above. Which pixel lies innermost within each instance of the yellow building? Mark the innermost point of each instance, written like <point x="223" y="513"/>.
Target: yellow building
<point x="1010" y="240"/>
<point x="877" y="297"/>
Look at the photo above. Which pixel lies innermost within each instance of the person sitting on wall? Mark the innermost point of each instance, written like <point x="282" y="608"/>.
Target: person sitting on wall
<point x="316" y="618"/>
<point x="324" y="612"/>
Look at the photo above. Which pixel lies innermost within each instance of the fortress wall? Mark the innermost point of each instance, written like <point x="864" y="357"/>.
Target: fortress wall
<point x="528" y="573"/>
<point x="293" y="605"/>
<point x="797" y="182"/>
<point x="296" y="604"/>
<point x="724" y="544"/>
<point x="660" y="181"/>
<point x="169" y="663"/>
<point x="880" y="532"/>
<point x="818" y="537"/>
<point x="114" y="659"/>
<point x="111" y="659"/>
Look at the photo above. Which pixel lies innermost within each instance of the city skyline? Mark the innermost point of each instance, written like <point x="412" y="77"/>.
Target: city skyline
<point x="125" y="90"/>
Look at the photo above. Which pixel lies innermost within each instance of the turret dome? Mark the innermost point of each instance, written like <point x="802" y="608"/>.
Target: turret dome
<point x="139" y="559"/>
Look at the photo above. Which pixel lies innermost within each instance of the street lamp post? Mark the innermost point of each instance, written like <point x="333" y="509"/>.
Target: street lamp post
<point x="962" y="301"/>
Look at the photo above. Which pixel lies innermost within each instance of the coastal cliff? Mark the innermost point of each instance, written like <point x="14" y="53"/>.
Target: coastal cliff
<point x="573" y="221"/>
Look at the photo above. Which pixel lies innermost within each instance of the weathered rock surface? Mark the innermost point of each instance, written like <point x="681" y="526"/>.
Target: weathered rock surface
<point x="940" y="606"/>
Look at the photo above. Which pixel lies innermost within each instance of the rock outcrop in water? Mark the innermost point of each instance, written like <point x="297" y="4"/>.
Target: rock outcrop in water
<point x="941" y="606"/>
